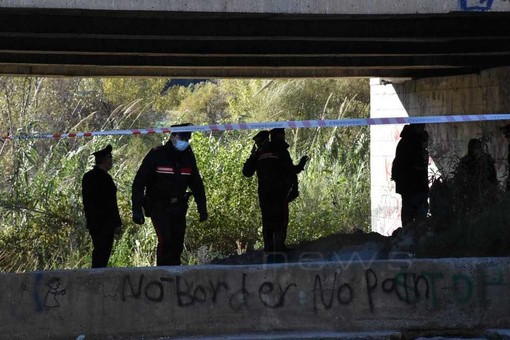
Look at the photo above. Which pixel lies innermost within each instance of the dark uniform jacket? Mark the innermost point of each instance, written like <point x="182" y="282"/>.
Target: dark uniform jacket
<point x="276" y="173"/>
<point x="476" y="175"/>
<point x="410" y="166"/>
<point x="163" y="178"/>
<point x="508" y="166"/>
<point x="100" y="200"/>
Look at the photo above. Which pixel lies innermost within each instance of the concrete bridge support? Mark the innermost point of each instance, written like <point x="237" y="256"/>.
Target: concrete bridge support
<point x="483" y="93"/>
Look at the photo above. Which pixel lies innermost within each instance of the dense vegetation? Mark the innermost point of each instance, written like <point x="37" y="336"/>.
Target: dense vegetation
<point x="43" y="226"/>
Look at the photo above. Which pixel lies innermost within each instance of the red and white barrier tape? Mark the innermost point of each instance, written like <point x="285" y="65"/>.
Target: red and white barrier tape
<point x="293" y="124"/>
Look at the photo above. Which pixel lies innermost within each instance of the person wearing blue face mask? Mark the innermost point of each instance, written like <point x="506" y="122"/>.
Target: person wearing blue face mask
<point x="181" y="145"/>
<point x="159" y="192"/>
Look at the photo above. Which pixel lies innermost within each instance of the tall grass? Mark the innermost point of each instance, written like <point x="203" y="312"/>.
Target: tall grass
<point x="334" y="189"/>
<point x="43" y="225"/>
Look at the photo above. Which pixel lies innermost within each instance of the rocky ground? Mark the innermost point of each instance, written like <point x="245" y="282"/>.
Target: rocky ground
<point x="337" y="247"/>
<point x="418" y="239"/>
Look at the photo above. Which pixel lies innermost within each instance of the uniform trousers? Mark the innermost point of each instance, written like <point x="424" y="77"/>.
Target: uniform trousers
<point x="102" y="239"/>
<point x="275" y="219"/>
<point x="414" y="206"/>
<point x="170" y="225"/>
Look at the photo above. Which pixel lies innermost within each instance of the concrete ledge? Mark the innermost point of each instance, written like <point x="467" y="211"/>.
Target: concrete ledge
<point x="379" y="335"/>
<point x="344" y="7"/>
<point x="472" y="293"/>
<point x="498" y="334"/>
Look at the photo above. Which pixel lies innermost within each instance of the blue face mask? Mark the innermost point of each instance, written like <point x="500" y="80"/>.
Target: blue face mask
<point x="181" y="145"/>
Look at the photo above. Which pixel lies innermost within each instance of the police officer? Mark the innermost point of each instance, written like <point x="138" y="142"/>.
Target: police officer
<point x="264" y="164"/>
<point x="286" y="186"/>
<point x="410" y="172"/>
<point x="506" y="131"/>
<point x="159" y="191"/>
<point x="100" y="204"/>
<point x="261" y="140"/>
<point x="277" y="184"/>
<point x="475" y="178"/>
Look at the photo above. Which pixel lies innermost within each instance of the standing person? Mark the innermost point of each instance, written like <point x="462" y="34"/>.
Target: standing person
<point x="410" y="172"/>
<point x="277" y="184"/>
<point x="159" y="191"/>
<point x="476" y="178"/>
<point x="506" y="131"/>
<point x="284" y="189"/>
<point x="261" y="140"/>
<point x="100" y="204"/>
<point x="265" y="164"/>
<point x="290" y="171"/>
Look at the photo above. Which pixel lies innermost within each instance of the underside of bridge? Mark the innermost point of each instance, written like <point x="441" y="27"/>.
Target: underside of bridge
<point x="101" y="42"/>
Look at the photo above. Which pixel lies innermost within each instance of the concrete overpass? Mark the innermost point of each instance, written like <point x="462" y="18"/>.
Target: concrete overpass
<point x="263" y="38"/>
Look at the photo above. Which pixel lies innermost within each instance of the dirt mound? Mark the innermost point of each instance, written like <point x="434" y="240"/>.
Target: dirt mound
<point x="334" y="247"/>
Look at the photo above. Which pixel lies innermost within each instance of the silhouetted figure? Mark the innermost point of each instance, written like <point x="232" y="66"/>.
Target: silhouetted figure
<point x="264" y="164"/>
<point x="475" y="178"/>
<point x="410" y="172"/>
<point x="506" y="131"/>
<point x="100" y="204"/>
<point x="159" y="191"/>
<point x="277" y="185"/>
<point x="261" y="140"/>
<point x="291" y="171"/>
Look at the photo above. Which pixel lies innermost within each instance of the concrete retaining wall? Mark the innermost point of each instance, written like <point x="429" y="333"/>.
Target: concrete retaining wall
<point x="206" y="300"/>
<point x="487" y="92"/>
